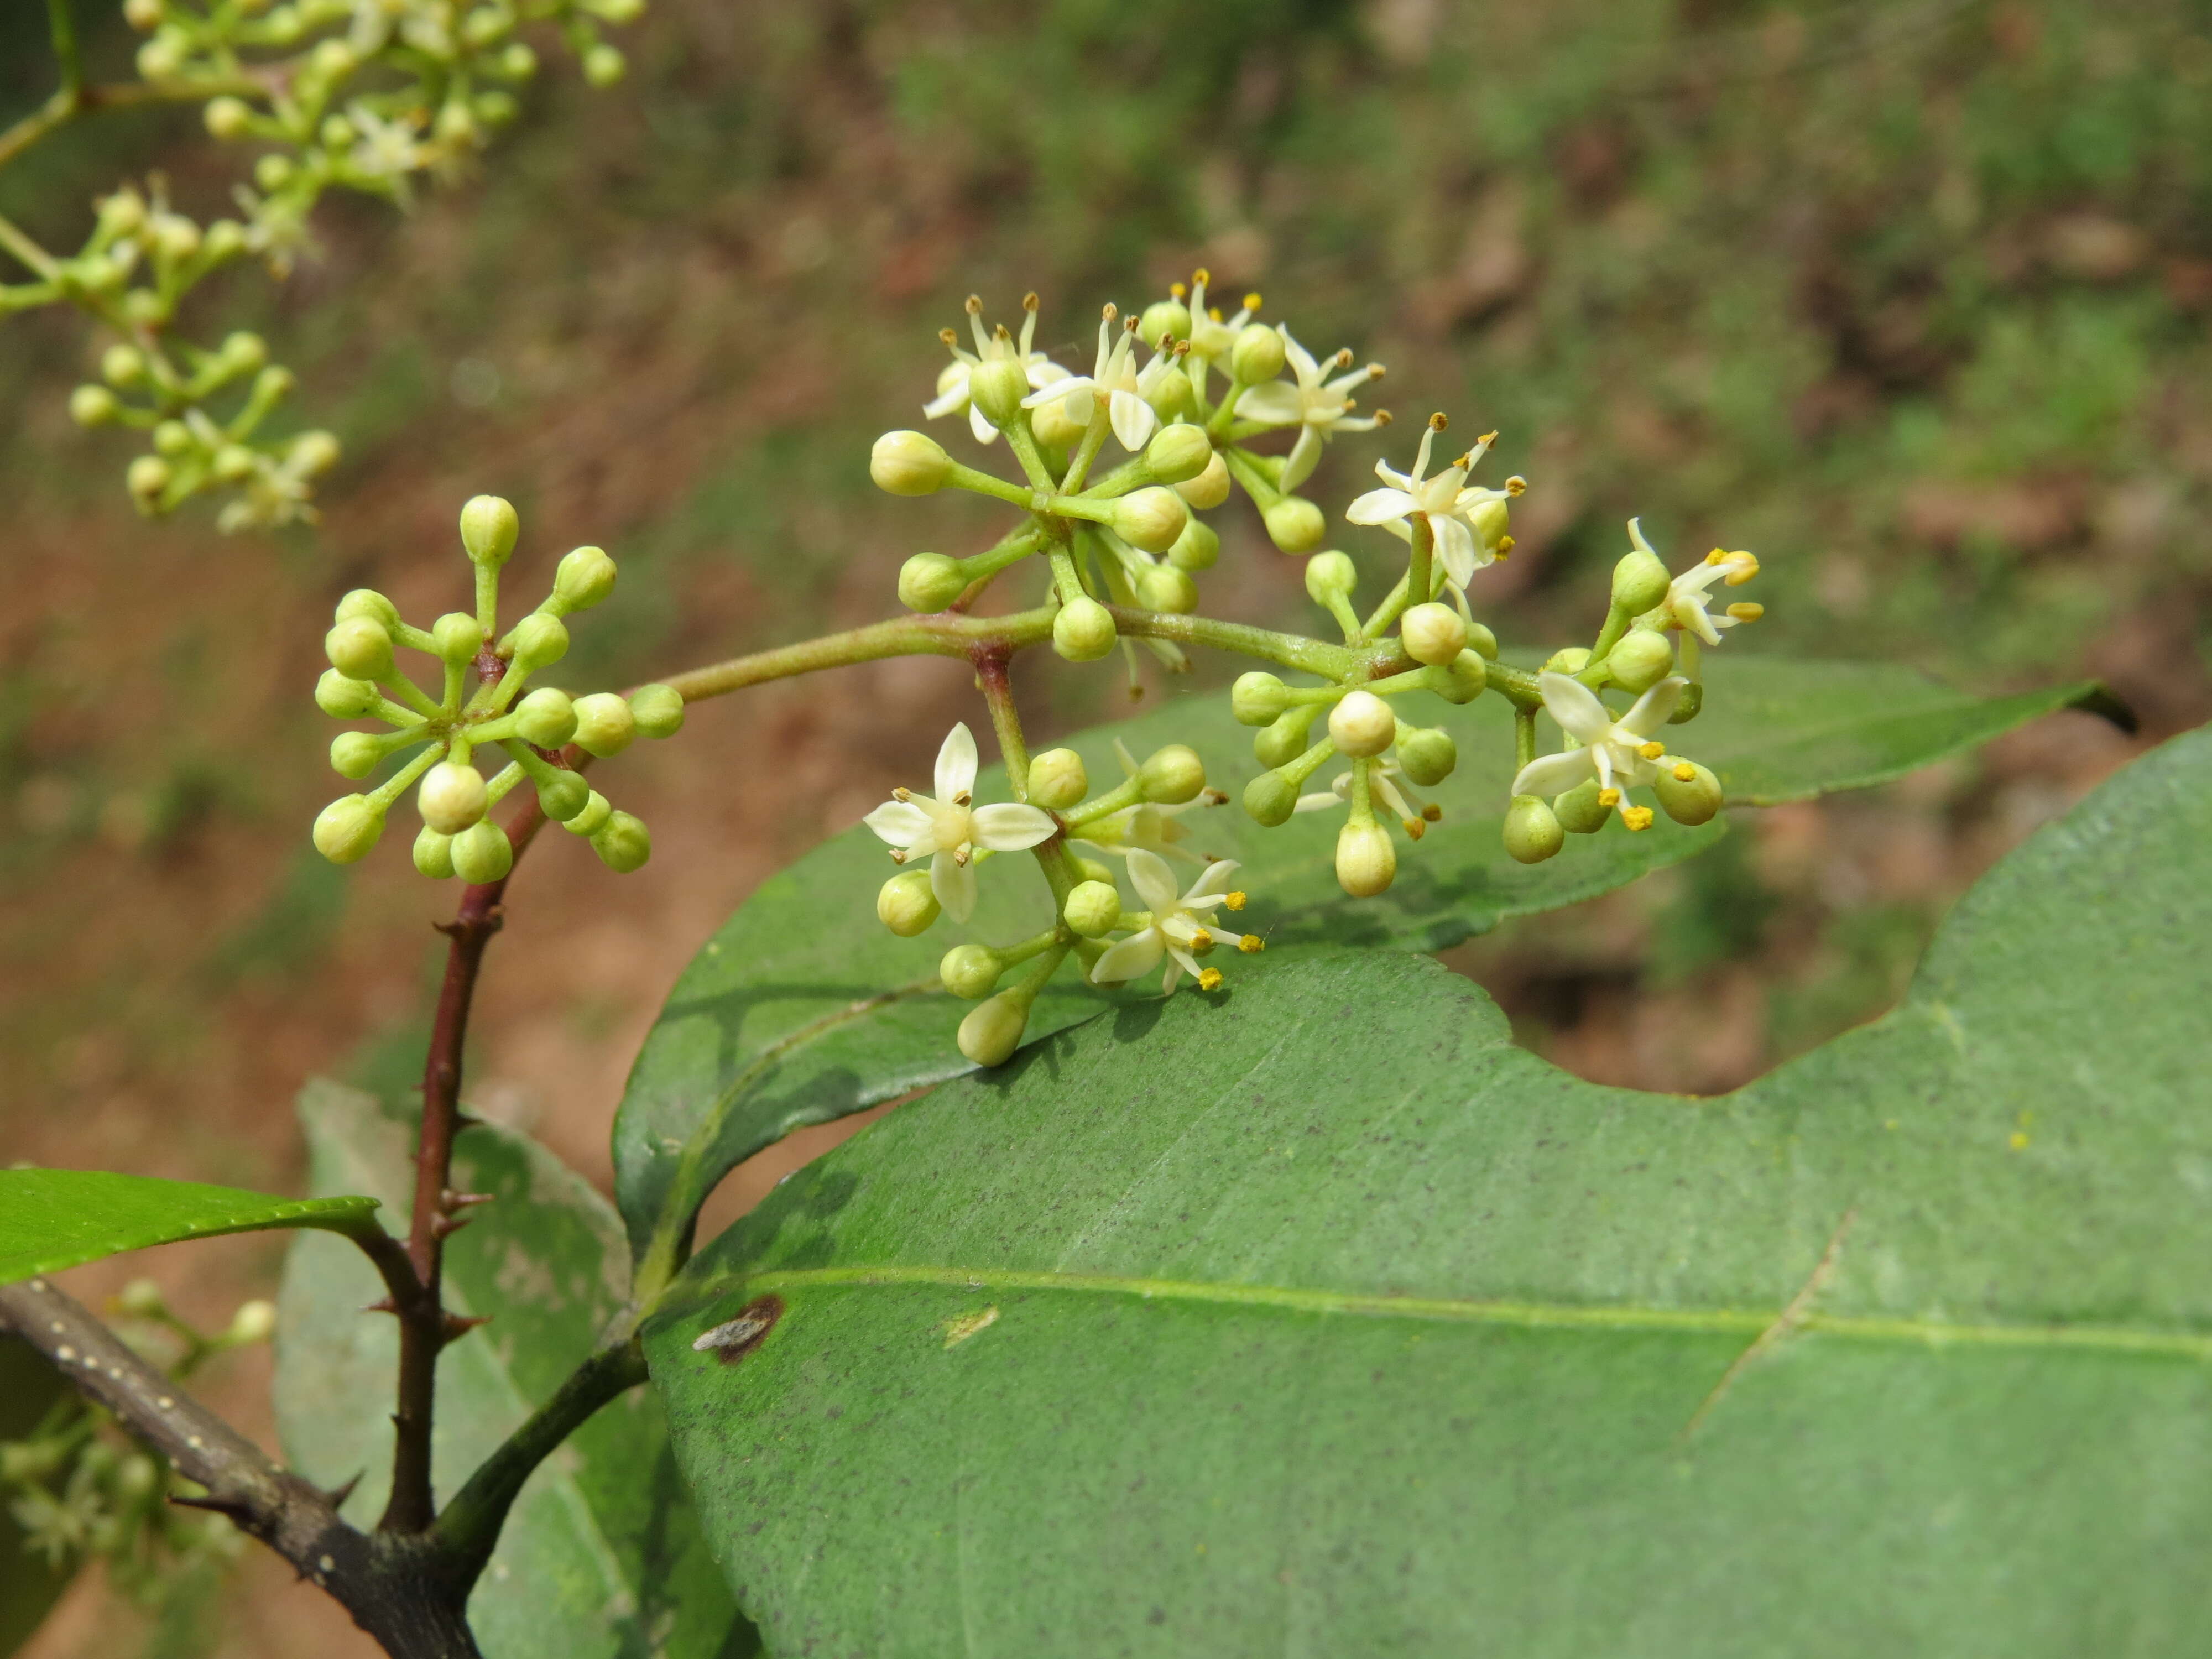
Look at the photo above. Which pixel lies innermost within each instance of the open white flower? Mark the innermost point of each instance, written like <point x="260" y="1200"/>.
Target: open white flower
<point x="1687" y="604"/>
<point x="1116" y="379"/>
<point x="952" y="396"/>
<point x="1147" y="829"/>
<point x="1320" y="407"/>
<point x="949" y="829"/>
<point x="1447" y="499"/>
<point x="1620" y="754"/>
<point x="1182" y="929"/>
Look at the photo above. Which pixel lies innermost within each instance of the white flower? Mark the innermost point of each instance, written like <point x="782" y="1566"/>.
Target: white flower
<point x="953" y="384"/>
<point x="1387" y="779"/>
<point x="1320" y="407"/>
<point x="1446" y="498"/>
<point x="387" y="150"/>
<point x="1621" y="755"/>
<point x="1182" y="929"/>
<point x="950" y="830"/>
<point x="1685" y="602"/>
<point x="1116" y="379"/>
<point x="1151" y="829"/>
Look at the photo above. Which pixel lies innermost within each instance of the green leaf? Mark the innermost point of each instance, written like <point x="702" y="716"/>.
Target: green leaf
<point x="1322" y="1319"/>
<point x="29" y="1587"/>
<point x="802" y="1008"/>
<point x="601" y="1555"/>
<point x="51" y="1219"/>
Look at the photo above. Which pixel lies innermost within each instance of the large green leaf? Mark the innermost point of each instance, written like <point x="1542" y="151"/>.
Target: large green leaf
<point x="601" y="1555"/>
<point x="51" y="1219"/>
<point x="802" y="1008"/>
<point x="1324" y="1319"/>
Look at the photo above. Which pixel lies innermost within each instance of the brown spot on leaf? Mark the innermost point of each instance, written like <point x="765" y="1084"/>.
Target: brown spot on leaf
<point x="734" y="1339"/>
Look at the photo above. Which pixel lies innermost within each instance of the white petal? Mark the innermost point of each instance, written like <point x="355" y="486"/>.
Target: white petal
<point x="1379" y="507"/>
<point x="1275" y="404"/>
<point x="1653" y="708"/>
<point x="1043" y="371"/>
<point x="901" y="824"/>
<point x="1554" y="775"/>
<point x="955" y="763"/>
<point x="954" y="883"/>
<point x="1180" y="958"/>
<point x="984" y="431"/>
<point x="1320" y="801"/>
<point x="1302" y="362"/>
<point x="1575" y="706"/>
<point x="1304" y="456"/>
<point x="950" y="403"/>
<point x="1007" y="827"/>
<point x="1219" y="876"/>
<point x="1148" y="874"/>
<point x="1454" y="549"/>
<point x="1125" y="958"/>
<point x="1071" y="388"/>
<point x="1134" y="420"/>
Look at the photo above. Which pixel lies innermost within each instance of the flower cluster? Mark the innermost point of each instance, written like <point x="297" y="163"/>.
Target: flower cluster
<point x="367" y="96"/>
<point x="364" y="681"/>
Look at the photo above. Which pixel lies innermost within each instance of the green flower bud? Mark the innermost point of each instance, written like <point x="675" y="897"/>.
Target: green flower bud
<point x="1464" y="678"/>
<point x="593" y="818"/>
<point x="911" y="463"/>
<point x="456" y="637"/>
<point x="482" y="853"/>
<point x="1057" y="780"/>
<point x="1257" y="355"/>
<point x="1295" y="524"/>
<point x="1171" y="398"/>
<point x="1210" y="487"/>
<point x="122" y="365"/>
<point x="175" y="237"/>
<point x="1161" y="318"/>
<point x="452" y="798"/>
<point x="273" y="171"/>
<point x="1572" y="660"/>
<point x="1692" y="799"/>
<point x="434" y="853"/>
<point x="563" y="795"/>
<point x="1362" y="725"/>
<point x="992" y="1029"/>
<point x="1330" y="575"/>
<point x="997" y="387"/>
<point x="1488" y="521"/>
<point x="234" y="463"/>
<point x="907" y="904"/>
<point x="332" y="58"/>
<point x="1366" y="863"/>
<point x="1150" y="519"/>
<point x="604" y="725"/>
<point x="147" y="477"/>
<point x="94" y="406"/>
<point x="355" y="754"/>
<point x="586" y="576"/>
<point x="359" y="649"/>
<point x="496" y="108"/>
<point x="1258" y="697"/>
<point x="970" y="971"/>
<point x="1197" y="548"/>
<point x="1055" y="427"/>
<point x="225" y="239"/>
<point x="1640" y="659"/>
<point x="174" y="438"/>
<point x="253" y="1323"/>
<point x="226" y="118"/>
<point x="1429" y="756"/>
<point x="345" y="699"/>
<point x="1083" y="631"/>
<point x="244" y="353"/>
<point x="1286" y="738"/>
<point x="1578" y="808"/>
<point x="139" y="1475"/>
<point x="603" y="67"/>
<point x="1178" y="452"/>
<point x="1270" y="798"/>
<point x="456" y="125"/>
<point x="539" y="641"/>
<point x="518" y="61"/>
<point x="489" y="526"/>
<point x="1639" y="582"/>
<point x="1433" y="633"/>
<point x="1092" y="908"/>
<point x="368" y="602"/>
<point x="1532" y="829"/>
<point x="144" y="15"/>
<point x="142" y="1297"/>
<point x="1482" y="641"/>
<point x="1172" y="775"/>
<point x="930" y="582"/>
<point x="146" y="307"/>
<point x="347" y="828"/>
<point x="622" y="842"/>
<point x="658" y="710"/>
<point x="1167" y="589"/>
<point x="546" y="717"/>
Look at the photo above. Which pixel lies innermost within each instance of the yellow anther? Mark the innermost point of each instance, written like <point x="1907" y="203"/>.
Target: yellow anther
<point x="1177" y="290"/>
<point x="1235" y="901"/>
<point x="1504" y="546"/>
<point x="1716" y="556"/>
<point x="1609" y="798"/>
<point x="898" y="854"/>
<point x="1209" y="979"/>
<point x="1414" y="827"/>
<point x="1030" y="300"/>
<point x="1200" y="945"/>
<point x="1487" y="439"/>
<point x="1251" y="302"/>
<point x="1108" y="311"/>
<point x="1464" y="461"/>
<point x="974" y="304"/>
<point x="999" y="332"/>
<point x="1651" y="750"/>
<point x="1437" y="422"/>
<point x="901" y="793"/>
<point x="1636" y="818"/>
<point x="1202" y="276"/>
<point x="1685" y="773"/>
<point x="1382" y="417"/>
<point x="1433" y="813"/>
<point x="1744" y="571"/>
<point x="1251" y="945"/>
<point x="1745" y="610"/>
<point x="1214" y="312"/>
<point x="1516" y="485"/>
<point x="1344" y="356"/>
<point x="965" y="796"/>
<point x="1375" y="371"/>
<point x="950" y="335"/>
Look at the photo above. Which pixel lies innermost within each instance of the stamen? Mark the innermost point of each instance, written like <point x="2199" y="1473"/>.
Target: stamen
<point x="1344" y="356"/>
<point x="1235" y="901"/>
<point x="1201" y="943"/>
<point x="1651" y="750"/>
<point x="1251" y="945"/>
<point x="1375" y="371"/>
<point x="950" y="335"/>
<point x="1504" y="546"/>
<point x="898" y="854"/>
<point x="1209" y="979"/>
<point x="1487" y="439"/>
<point x="966" y="795"/>
<point x="1717" y="556"/>
<point x="1745" y="610"/>
<point x="1414" y="827"/>
<point x="1030" y="300"/>
<point x="1745" y="571"/>
<point x="963" y="853"/>
<point x="1685" y="773"/>
<point x="1437" y="422"/>
<point x="1108" y="311"/>
<point x="1251" y="302"/>
<point x="1214" y="312"/>
<point x="1433" y="813"/>
<point x="1609" y="798"/>
<point x="1636" y="818"/>
<point x="1211" y="797"/>
<point x="1516" y="484"/>
<point x="1201" y="277"/>
<point x="901" y="793"/>
<point x="1177" y="290"/>
<point x="974" y="304"/>
<point x="998" y="331"/>
<point x="1382" y="417"/>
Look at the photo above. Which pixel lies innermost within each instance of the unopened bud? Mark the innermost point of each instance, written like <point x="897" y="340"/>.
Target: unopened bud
<point x="1692" y="799"/>
<point x="452" y="798"/>
<point x="1639" y="581"/>
<point x="1198" y="547"/>
<point x="347" y="828"/>
<point x="1058" y="779"/>
<point x="310" y="452"/>
<point x="482" y="853"/>
<point x="1271" y="798"/>
<point x="1083" y="631"/>
<point x="226" y="118"/>
<point x="997" y="387"/>
<point x="234" y="463"/>
<point x="456" y="637"/>
<point x="1580" y="810"/>
<point x="970" y="971"/>
<point x="930" y="582"/>
<point x="1428" y="755"/>
<point x="1257" y="355"/>
<point x="143" y="1298"/>
<point x="1362" y="725"/>
<point x="563" y="795"/>
<point x="94" y="406"/>
<point x="585" y="577"/>
<point x="909" y="464"/>
<point x="907" y="904"/>
<point x="355" y="754"/>
<point x="1054" y="427"/>
<point x="1151" y="518"/>
<point x="1572" y="660"/>
<point x="546" y="717"/>
<point x="992" y="1029"/>
<point x="147" y="477"/>
<point x="1171" y="398"/>
<point x="1210" y="487"/>
<point x="622" y="842"/>
<point x="1488" y="520"/>
<point x="144" y="15"/>
<point x="368" y="602"/>
<point x="539" y="641"/>
<point x="434" y="853"/>
<point x="593" y="818"/>
<point x="1433" y="633"/>
<point x="359" y="649"/>
<point x="253" y="1323"/>
<point x="658" y="710"/>
<point x="1258" y="697"/>
<point x="1286" y="737"/>
<point x="1165" y="588"/>
<point x="604" y="725"/>
<point x="244" y="353"/>
<point x="1295" y="524"/>
<point x="1092" y="908"/>
<point x="1463" y="678"/>
<point x="343" y="698"/>
<point x="1533" y="833"/>
<point x="1366" y="863"/>
<point x="1172" y="775"/>
<point x="1163" y="317"/>
<point x="175" y="237"/>
<point x="122" y="365"/>
<point x="1330" y="576"/>
<point x="1482" y="641"/>
<point x="604" y="65"/>
<point x="1640" y="659"/>
<point x="174" y="438"/>
<point x="489" y="528"/>
<point x="1178" y="452"/>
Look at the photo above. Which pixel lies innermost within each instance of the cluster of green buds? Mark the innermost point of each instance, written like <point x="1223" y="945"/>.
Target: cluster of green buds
<point x="358" y="94"/>
<point x="79" y="1490"/>
<point x="364" y="681"/>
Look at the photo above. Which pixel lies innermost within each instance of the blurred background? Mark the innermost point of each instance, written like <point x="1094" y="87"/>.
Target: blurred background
<point x="1911" y="299"/>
